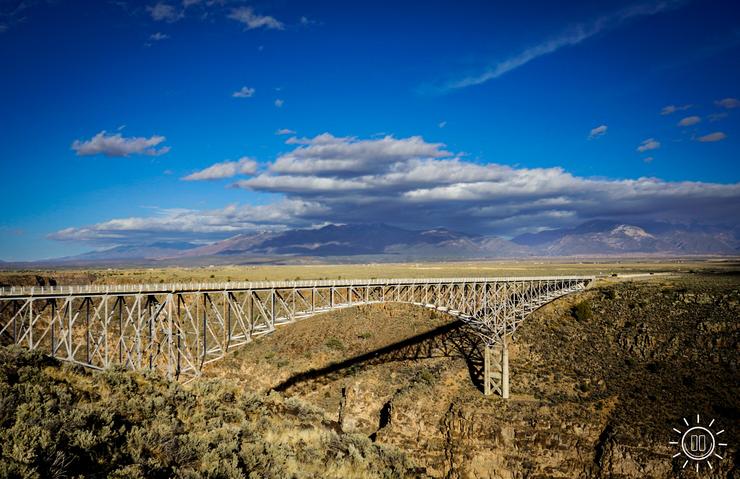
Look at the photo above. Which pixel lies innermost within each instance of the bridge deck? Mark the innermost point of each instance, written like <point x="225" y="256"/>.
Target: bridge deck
<point x="206" y="287"/>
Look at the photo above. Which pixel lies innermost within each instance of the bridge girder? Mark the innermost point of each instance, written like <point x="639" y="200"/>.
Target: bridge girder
<point x="179" y="328"/>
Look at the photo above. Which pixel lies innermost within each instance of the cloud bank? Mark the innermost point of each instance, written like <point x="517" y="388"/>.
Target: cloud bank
<point x="419" y="184"/>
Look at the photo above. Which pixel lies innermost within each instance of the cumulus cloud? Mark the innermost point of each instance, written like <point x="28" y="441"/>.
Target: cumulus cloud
<point x="442" y="124"/>
<point x="689" y="120"/>
<point x="252" y="20"/>
<point x="285" y="131"/>
<point x="570" y="37"/>
<point x="163" y="12"/>
<point x="419" y="184"/>
<point x="326" y="153"/>
<point x="597" y="132"/>
<point x="712" y="137"/>
<point x="117" y="145"/>
<point x="667" y="110"/>
<point x="244" y="92"/>
<point x="225" y="169"/>
<point x="649" y="144"/>
<point x="728" y="103"/>
<point x="279" y="103"/>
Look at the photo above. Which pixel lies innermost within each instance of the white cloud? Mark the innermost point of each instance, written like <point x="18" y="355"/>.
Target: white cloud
<point x="279" y="103"/>
<point x="3" y="28"/>
<point x="188" y="3"/>
<point x="244" y="92"/>
<point x="667" y="110"/>
<point x="225" y="169"/>
<point x="728" y="103"/>
<point x="649" y="144"/>
<point x="442" y="124"/>
<point x="163" y="12"/>
<point x="285" y="131"/>
<point x="252" y="20"/>
<point x="572" y="36"/>
<point x="597" y="132"/>
<point x="648" y="159"/>
<point x="158" y="36"/>
<point x="116" y="145"/>
<point x="326" y="153"/>
<point x="689" y="120"/>
<point x="712" y="137"/>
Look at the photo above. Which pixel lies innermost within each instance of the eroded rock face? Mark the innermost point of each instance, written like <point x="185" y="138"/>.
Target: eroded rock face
<point x="591" y="398"/>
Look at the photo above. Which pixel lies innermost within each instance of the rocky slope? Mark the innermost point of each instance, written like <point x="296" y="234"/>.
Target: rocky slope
<point x="595" y="394"/>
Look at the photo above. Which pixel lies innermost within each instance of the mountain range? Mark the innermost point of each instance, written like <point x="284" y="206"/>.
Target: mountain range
<point x="383" y="242"/>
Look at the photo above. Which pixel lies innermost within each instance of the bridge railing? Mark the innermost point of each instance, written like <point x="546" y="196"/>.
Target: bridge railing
<point x="17" y="291"/>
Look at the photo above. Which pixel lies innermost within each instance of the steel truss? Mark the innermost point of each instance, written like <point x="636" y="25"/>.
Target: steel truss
<point x="179" y="328"/>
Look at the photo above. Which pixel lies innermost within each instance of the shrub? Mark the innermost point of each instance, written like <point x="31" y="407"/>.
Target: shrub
<point x="334" y="343"/>
<point x="67" y="422"/>
<point x="582" y="311"/>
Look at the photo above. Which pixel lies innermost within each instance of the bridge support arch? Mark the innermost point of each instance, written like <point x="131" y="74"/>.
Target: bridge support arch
<point x="179" y="328"/>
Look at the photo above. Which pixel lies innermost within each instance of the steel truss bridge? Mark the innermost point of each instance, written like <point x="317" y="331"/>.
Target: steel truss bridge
<point x="180" y="328"/>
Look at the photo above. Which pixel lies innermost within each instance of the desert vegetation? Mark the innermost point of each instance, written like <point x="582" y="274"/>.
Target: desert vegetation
<point x="61" y="421"/>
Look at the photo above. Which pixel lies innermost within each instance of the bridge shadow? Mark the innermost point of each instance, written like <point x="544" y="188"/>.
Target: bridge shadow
<point x="453" y="340"/>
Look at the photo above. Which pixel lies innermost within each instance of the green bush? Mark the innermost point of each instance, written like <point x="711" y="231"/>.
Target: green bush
<point x="334" y="343"/>
<point x="582" y="311"/>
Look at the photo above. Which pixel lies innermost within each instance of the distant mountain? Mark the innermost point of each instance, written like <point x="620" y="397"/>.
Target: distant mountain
<point x="128" y="252"/>
<point x="383" y="242"/>
<point x="361" y="239"/>
<point x="602" y="237"/>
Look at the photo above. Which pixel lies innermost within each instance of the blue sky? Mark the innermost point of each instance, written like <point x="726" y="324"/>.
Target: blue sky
<point x="485" y="117"/>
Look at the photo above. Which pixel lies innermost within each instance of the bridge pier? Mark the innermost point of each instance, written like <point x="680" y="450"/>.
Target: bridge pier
<point x="496" y="369"/>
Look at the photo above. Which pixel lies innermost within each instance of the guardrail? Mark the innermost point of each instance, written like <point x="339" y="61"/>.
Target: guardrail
<point x="254" y="285"/>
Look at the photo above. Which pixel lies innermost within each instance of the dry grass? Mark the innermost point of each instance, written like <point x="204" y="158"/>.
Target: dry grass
<point x="361" y="271"/>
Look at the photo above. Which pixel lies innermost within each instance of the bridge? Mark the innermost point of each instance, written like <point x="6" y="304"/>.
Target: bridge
<point x="179" y="328"/>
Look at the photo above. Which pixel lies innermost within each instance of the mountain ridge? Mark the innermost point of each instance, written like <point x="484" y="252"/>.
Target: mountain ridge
<point x="384" y="242"/>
